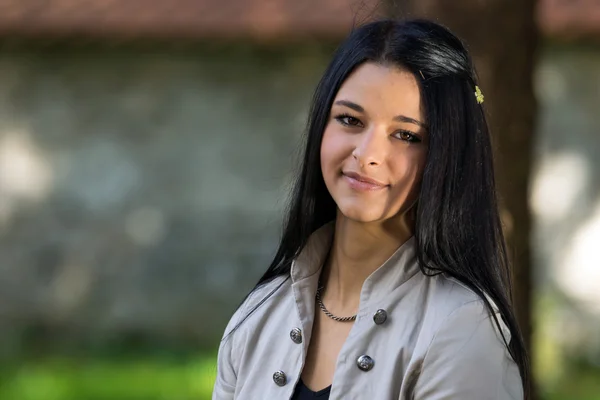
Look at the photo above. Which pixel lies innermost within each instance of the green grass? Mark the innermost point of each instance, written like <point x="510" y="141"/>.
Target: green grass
<point x="143" y="378"/>
<point x="158" y="377"/>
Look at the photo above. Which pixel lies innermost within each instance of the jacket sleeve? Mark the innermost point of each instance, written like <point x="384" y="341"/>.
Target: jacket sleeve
<point x="227" y="362"/>
<point x="467" y="360"/>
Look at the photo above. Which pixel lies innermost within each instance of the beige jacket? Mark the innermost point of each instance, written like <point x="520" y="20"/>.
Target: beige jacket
<point x="437" y="342"/>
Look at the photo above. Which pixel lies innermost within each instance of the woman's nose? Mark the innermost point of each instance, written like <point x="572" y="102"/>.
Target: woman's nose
<point x="370" y="149"/>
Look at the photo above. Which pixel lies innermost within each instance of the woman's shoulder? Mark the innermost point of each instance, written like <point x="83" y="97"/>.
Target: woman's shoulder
<point x="452" y="301"/>
<point x="269" y="289"/>
<point x="231" y="349"/>
<point x="272" y="288"/>
<point x="463" y="352"/>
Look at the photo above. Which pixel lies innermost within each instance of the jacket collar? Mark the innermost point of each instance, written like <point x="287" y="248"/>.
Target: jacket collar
<point x="400" y="267"/>
<point x="312" y="257"/>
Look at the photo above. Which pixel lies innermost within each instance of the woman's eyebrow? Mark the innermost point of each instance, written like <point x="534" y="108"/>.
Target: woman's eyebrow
<point x="403" y="118"/>
<point x="351" y="105"/>
<point x="399" y="118"/>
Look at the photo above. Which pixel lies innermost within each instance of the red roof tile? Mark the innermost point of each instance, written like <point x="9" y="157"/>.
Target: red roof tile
<point x="179" y="18"/>
<point x="236" y="18"/>
<point x="569" y="19"/>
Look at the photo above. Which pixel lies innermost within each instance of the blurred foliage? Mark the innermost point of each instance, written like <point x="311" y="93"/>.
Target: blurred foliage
<point x="582" y="382"/>
<point x="559" y="376"/>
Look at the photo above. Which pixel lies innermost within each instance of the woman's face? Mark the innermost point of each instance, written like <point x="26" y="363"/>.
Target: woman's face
<point x="375" y="144"/>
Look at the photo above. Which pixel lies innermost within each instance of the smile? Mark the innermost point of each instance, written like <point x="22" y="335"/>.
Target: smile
<point x="362" y="183"/>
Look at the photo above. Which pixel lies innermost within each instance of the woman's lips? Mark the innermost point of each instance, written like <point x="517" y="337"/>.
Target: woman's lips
<point x="362" y="183"/>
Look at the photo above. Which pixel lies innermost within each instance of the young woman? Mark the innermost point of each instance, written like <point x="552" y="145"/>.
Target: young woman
<point x="391" y="280"/>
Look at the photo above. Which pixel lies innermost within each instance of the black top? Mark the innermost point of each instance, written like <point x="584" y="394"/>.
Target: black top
<point x="304" y="393"/>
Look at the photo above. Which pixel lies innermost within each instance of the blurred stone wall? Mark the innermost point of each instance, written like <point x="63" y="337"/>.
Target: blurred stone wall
<point x="141" y="189"/>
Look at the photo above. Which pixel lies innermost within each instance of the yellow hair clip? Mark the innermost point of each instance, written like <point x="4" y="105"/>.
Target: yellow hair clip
<point x="478" y="95"/>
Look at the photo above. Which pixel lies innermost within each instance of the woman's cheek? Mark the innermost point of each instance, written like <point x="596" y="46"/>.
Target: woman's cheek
<point x="332" y="150"/>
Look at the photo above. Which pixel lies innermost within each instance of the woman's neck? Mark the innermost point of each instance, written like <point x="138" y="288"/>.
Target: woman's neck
<point x="357" y="250"/>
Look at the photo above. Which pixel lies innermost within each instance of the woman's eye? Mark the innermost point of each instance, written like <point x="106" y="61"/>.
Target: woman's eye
<point x="407" y="136"/>
<point x="347" y="120"/>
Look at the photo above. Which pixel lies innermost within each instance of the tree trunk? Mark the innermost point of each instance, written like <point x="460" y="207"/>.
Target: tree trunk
<point x="502" y="38"/>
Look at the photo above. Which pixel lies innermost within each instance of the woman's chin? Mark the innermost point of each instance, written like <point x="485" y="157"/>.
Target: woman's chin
<point x="362" y="214"/>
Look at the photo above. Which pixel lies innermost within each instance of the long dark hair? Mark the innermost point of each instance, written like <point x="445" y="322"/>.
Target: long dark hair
<point x="458" y="229"/>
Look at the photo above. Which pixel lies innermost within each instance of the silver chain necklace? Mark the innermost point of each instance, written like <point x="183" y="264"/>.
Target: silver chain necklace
<point x="326" y="312"/>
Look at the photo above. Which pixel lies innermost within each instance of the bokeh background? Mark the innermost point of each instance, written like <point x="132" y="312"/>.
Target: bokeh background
<point x="146" y="149"/>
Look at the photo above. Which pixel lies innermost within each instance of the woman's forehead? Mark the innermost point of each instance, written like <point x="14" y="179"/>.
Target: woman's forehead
<point x="383" y="89"/>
